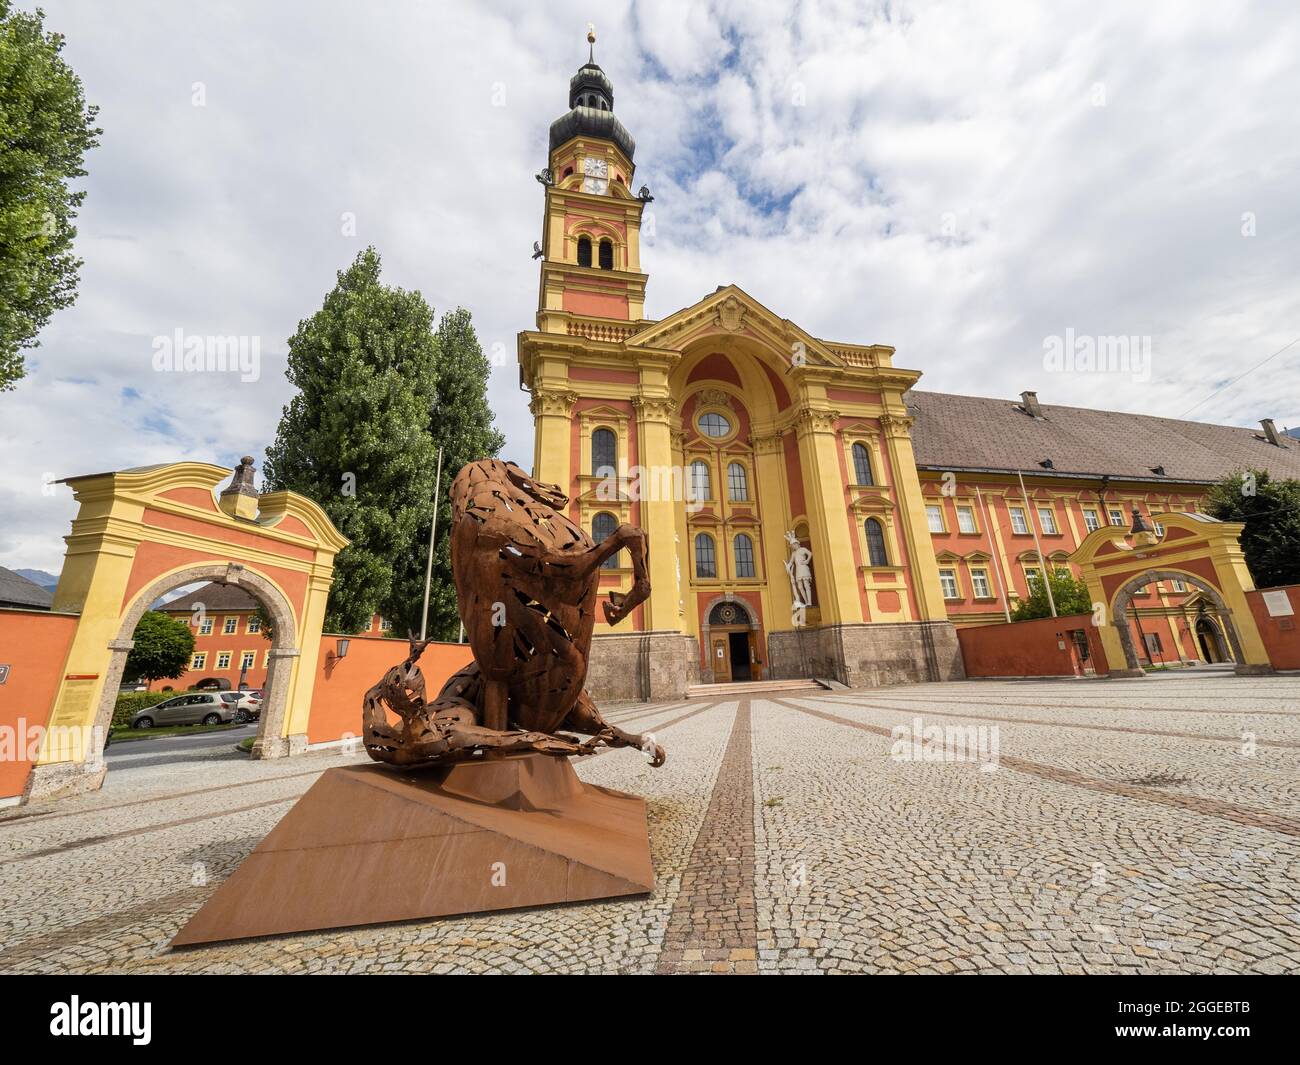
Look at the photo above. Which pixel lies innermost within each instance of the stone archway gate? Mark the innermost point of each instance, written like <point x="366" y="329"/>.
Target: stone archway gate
<point x="1195" y="548"/>
<point x="142" y="532"/>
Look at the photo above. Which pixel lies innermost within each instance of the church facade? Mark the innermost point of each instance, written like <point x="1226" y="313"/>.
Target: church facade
<point x="810" y="513"/>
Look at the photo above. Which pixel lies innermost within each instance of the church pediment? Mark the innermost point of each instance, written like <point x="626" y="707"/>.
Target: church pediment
<point x="732" y="311"/>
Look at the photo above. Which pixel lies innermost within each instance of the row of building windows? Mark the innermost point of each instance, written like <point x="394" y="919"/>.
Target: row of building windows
<point x="222" y="659"/>
<point x="966" y="523"/>
<point x="706" y="558"/>
<point x="230" y="625"/>
<point x="706" y="564"/>
<point x="604" y="461"/>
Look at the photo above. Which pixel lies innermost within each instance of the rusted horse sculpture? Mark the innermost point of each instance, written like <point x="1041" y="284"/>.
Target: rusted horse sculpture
<point x="527" y="582"/>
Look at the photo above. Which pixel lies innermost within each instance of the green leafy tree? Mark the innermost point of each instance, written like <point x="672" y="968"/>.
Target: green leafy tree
<point x="1270" y="510"/>
<point x="356" y="436"/>
<point x="46" y="128"/>
<point x="1069" y="593"/>
<point x="163" y="646"/>
<point x="461" y="424"/>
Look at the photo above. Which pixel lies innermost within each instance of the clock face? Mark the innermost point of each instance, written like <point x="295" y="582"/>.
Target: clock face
<point x="595" y="185"/>
<point x="595" y="167"/>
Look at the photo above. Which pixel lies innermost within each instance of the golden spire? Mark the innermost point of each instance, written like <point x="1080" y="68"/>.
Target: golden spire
<point x="591" y="40"/>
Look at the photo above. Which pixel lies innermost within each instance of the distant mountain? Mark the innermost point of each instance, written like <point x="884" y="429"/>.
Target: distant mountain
<point x="39" y="576"/>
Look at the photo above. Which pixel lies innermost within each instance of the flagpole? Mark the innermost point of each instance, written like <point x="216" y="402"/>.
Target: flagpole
<point x="1030" y="516"/>
<point x="433" y="531"/>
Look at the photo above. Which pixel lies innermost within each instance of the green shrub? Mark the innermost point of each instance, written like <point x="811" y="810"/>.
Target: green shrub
<point x="131" y="703"/>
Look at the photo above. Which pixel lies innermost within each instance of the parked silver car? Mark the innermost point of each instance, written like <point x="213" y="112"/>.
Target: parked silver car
<point x="193" y="708"/>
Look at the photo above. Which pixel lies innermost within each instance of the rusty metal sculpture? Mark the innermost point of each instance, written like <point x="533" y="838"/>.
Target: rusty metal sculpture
<point x="527" y="581"/>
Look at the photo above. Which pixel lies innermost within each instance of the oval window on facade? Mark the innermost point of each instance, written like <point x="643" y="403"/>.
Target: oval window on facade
<point x="714" y="424"/>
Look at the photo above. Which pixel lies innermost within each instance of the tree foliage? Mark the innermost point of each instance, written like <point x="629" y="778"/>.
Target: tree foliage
<point x="379" y="391"/>
<point x="1069" y="593"/>
<point x="355" y="438"/>
<point x="1270" y="510"/>
<point x="461" y="424"/>
<point x="46" y="128"/>
<point x="163" y="646"/>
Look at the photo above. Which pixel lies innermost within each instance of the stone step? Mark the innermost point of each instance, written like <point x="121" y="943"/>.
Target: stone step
<point x="753" y="687"/>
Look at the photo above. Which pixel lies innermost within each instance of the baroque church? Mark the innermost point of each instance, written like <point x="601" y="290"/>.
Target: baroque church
<point x="809" y="511"/>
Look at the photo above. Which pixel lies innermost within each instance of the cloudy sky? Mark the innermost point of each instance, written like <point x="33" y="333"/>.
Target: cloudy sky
<point x="962" y="181"/>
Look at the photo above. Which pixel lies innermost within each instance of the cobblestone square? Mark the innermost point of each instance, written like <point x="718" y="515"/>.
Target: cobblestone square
<point x="1048" y="827"/>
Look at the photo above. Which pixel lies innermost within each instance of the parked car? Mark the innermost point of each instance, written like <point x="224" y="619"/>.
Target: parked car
<point x="248" y="703"/>
<point x="193" y="708"/>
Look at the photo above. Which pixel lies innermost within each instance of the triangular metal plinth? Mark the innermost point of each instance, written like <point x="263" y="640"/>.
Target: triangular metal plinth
<point x="369" y="844"/>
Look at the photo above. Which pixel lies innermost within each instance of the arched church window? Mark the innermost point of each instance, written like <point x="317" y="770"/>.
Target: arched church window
<point x="584" y="251"/>
<point x="744" y="548"/>
<point x="604" y="453"/>
<point x="602" y="527"/>
<point x="737" y="483"/>
<point x="862" y="464"/>
<point x="700" y="487"/>
<point x="706" y="563"/>
<point x="606" y="255"/>
<point x="876" y="552"/>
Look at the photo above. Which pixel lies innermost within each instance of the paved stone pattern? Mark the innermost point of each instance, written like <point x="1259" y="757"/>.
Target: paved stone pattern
<point x="711" y="927"/>
<point x="1126" y="826"/>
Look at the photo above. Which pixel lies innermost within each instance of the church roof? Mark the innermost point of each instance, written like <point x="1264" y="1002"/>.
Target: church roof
<point x="977" y="433"/>
<point x="212" y="597"/>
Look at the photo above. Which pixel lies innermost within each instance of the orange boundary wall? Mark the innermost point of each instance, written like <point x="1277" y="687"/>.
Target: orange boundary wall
<point x="1281" y="636"/>
<point x="341" y="684"/>
<point x="34" y="645"/>
<point x="1028" y="648"/>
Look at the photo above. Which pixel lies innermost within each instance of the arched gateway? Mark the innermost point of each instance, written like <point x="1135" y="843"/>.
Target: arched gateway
<point x="142" y="533"/>
<point x="1193" y="548"/>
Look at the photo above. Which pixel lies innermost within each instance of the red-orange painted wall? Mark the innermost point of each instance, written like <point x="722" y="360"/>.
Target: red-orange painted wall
<point x="34" y="645"/>
<point x="1281" y="636"/>
<point x="1028" y="648"/>
<point x="341" y="684"/>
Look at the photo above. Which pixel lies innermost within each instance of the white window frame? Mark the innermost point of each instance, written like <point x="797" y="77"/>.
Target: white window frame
<point x="933" y="516"/>
<point x="968" y="512"/>
<point x="979" y="583"/>
<point x="1047" y="521"/>
<point x="948" y="580"/>
<point x="1021" y="527"/>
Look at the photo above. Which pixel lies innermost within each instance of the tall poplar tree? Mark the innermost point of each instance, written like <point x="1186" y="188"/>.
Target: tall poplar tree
<point x="461" y="424"/>
<point x="356" y="438"/>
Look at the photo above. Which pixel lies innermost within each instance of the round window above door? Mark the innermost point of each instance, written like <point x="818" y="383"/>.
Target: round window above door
<point x="713" y="424"/>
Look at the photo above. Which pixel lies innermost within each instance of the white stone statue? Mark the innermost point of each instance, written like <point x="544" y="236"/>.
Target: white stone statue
<point x="797" y="565"/>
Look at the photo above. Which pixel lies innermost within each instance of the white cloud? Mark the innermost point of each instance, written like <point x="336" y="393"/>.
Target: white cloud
<point x="948" y="187"/>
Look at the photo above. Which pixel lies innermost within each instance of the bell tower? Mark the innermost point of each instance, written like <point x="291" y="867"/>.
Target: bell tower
<point x="591" y="234"/>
